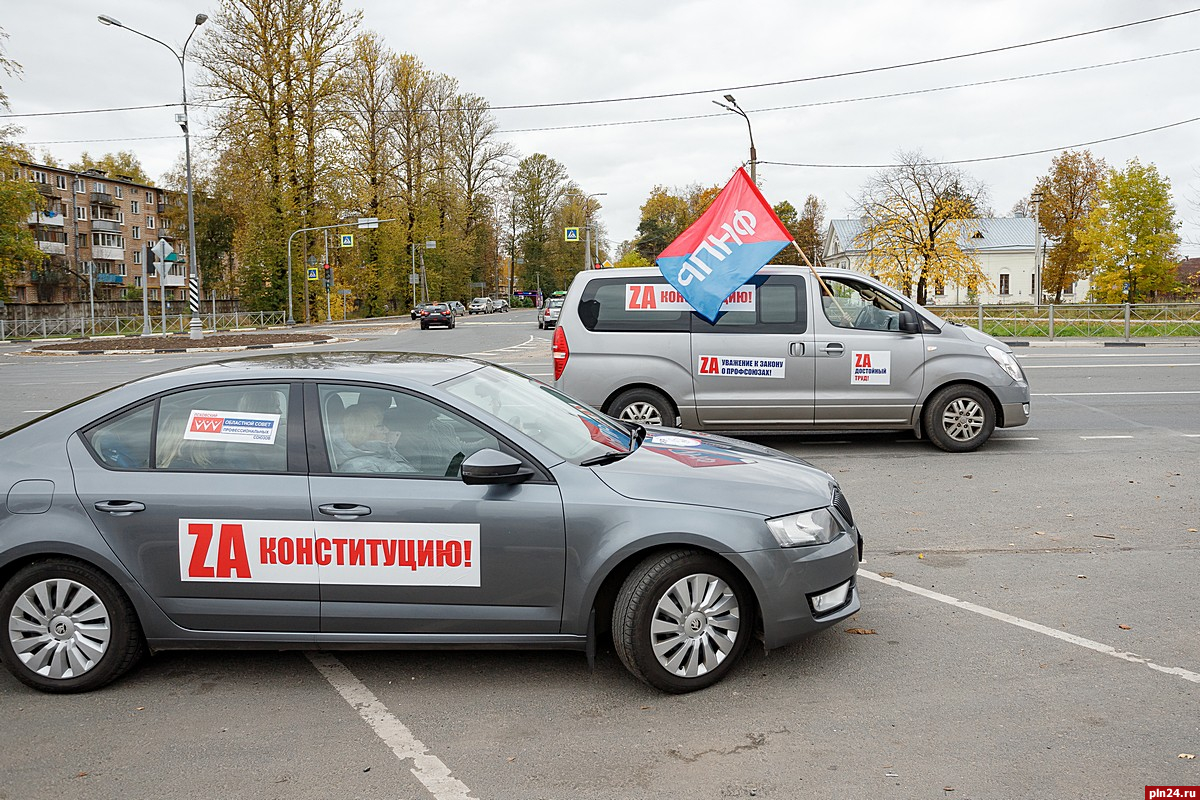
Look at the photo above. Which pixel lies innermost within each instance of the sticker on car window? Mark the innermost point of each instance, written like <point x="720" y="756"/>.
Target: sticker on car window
<point x="873" y="367"/>
<point x="232" y="426"/>
<point x="741" y="367"/>
<point x="663" y="297"/>
<point x="342" y="553"/>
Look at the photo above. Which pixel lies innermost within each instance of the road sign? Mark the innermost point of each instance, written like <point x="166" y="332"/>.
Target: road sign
<point x="368" y="222"/>
<point x="343" y="291"/>
<point x="162" y="249"/>
<point x="347" y="240"/>
<point x="312" y="274"/>
<point x="571" y="234"/>
<point x="607" y="264"/>
<point x="312" y="261"/>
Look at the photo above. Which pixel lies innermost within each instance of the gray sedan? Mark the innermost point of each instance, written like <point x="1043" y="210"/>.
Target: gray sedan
<point x="400" y="500"/>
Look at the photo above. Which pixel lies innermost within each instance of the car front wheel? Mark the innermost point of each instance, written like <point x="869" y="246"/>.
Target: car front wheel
<point x="960" y="418"/>
<point x="69" y="627"/>
<point x="682" y="620"/>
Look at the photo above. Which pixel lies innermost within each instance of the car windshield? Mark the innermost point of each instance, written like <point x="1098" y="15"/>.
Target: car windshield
<point x="574" y="431"/>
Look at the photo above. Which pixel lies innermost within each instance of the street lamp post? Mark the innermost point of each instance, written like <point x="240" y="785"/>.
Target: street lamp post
<point x="736" y="109"/>
<point x="194" y="327"/>
<point x="1036" y="198"/>
<point x="587" y="229"/>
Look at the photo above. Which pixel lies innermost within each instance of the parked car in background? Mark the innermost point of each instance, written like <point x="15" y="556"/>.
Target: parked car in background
<point x="437" y="314"/>
<point x="399" y="500"/>
<point x="548" y="315"/>
<point x="481" y="305"/>
<point x="500" y="304"/>
<point x="458" y="308"/>
<point x="416" y="310"/>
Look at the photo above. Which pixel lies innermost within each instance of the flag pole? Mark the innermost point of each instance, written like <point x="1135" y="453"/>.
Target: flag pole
<point x="824" y="287"/>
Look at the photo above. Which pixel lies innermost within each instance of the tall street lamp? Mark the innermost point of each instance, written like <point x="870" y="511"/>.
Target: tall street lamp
<point x="587" y="229"/>
<point x="1036" y="198"/>
<point x="736" y="109"/>
<point x="194" y="327"/>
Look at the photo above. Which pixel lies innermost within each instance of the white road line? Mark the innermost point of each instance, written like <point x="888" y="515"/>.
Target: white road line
<point x="428" y="769"/>
<point x="1191" y="435"/>
<point x="1114" y="394"/>
<point x="1106" y="437"/>
<point x="1019" y="439"/>
<point x="1071" y="638"/>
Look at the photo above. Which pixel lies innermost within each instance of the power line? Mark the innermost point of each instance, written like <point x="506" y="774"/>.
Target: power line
<point x="85" y="111"/>
<point x="117" y="139"/>
<point x="817" y="104"/>
<point x="990" y="158"/>
<point x="850" y="73"/>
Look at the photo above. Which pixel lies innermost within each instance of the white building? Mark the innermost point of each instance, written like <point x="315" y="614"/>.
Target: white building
<point x="1003" y="247"/>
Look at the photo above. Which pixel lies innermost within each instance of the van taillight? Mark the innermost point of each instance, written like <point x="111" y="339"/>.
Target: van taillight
<point x="560" y="350"/>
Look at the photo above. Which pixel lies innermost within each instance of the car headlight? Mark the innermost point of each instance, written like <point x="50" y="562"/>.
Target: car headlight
<point x="1006" y="362"/>
<point x="808" y="527"/>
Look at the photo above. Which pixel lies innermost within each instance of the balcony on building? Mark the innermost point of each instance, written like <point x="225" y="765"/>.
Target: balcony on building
<point x="108" y="253"/>
<point x="54" y="248"/>
<point x="109" y="278"/>
<point x="109" y="225"/>
<point x="45" y="188"/>
<point x="53" y="218"/>
<point x="103" y="199"/>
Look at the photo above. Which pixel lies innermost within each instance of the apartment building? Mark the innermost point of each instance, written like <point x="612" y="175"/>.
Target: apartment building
<point x="94" y="229"/>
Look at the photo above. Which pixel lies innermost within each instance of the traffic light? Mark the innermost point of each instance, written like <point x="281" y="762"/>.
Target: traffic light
<point x="149" y="270"/>
<point x="328" y="277"/>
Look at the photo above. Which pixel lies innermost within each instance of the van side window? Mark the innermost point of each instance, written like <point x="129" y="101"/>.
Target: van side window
<point x="619" y="304"/>
<point x="779" y="307"/>
<point x="859" y="306"/>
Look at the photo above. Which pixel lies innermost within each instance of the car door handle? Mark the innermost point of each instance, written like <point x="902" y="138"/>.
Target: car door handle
<point x="120" y="508"/>
<point x="834" y="349"/>
<point x="796" y="348"/>
<point x="344" y="510"/>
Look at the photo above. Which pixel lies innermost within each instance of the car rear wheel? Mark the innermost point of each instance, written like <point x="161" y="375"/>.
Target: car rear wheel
<point x="68" y="627"/>
<point x="960" y="418"/>
<point x="645" y="407"/>
<point x="682" y="620"/>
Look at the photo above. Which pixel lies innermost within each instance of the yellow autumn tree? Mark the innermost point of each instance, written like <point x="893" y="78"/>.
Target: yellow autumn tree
<point x="916" y="215"/>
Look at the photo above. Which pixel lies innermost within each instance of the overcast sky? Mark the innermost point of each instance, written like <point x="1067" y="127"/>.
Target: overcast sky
<point x="520" y="52"/>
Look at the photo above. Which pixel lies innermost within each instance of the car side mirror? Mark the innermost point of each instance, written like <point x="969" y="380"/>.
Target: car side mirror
<point x="490" y="466"/>
<point x="909" y="322"/>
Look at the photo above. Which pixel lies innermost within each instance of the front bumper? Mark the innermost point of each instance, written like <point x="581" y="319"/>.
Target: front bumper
<point x="786" y="578"/>
<point x="1014" y="406"/>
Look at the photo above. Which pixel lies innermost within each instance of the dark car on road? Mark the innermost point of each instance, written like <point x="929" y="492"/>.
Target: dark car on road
<point x="399" y="500"/>
<point x="437" y="314"/>
<point x="415" y="313"/>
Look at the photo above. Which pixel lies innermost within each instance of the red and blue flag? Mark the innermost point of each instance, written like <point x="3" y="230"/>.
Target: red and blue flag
<point x="731" y="241"/>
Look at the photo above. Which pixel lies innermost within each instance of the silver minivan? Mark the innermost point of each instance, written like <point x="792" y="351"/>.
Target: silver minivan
<point x="787" y="353"/>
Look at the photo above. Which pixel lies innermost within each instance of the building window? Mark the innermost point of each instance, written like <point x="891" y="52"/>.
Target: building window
<point x="121" y="217"/>
<point x="80" y="241"/>
<point x="97" y="186"/>
<point x="79" y="187"/>
<point x="149" y="197"/>
<point x="1033" y="284"/>
<point x="118" y="192"/>
<point x="81" y="213"/>
<point x="134" y="207"/>
<point x="102" y="239"/>
<point x="149" y="222"/>
<point x="137" y="256"/>
<point x="1004" y="284"/>
<point x="37" y="176"/>
<point x="60" y="181"/>
<point x="137" y="232"/>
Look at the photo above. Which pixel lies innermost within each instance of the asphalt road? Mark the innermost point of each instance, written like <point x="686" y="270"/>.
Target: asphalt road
<point x="1035" y="636"/>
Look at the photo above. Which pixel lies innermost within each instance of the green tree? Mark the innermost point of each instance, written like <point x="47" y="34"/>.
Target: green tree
<point x="539" y="186"/>
<point x="18" y="248"/>
<point x="807" y="229"/>
<point x="122" y="162"/>
<point x="1130" y="237"/>
<point x="1069" y="194"/>
<point x="668" y="213"/>
<point x="916" y="216"/>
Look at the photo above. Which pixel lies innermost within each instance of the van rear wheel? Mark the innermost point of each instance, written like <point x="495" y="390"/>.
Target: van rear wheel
<point x="960" y="418"/>
<point x="645" y="407"/>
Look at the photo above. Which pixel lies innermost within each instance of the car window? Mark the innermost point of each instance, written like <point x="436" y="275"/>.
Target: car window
<point x="780" y="306"/>
<point x="572" y="430"/>
<point x="369" y="430"/>
<point x="860" y="306"/>
<point x="124" y="441"/>
<point x="223" y="429"/>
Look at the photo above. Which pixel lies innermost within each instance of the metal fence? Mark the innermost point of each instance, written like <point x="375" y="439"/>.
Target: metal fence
<point x="1124" y="320"/>
<point x="133" y="326"/>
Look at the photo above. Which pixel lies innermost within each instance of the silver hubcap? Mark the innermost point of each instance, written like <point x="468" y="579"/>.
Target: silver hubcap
<point x="643" y="413"/>
<point x="59" y="628"/>
<point x="695" y="625"/>
<point x="963" y="419"/>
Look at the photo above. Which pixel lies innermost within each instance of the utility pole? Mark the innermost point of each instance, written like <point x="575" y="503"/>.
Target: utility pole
<point x="1036" y="198"/>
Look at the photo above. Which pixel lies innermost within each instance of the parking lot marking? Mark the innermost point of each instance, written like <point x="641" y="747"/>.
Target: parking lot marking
<point x="1071" y="638"/>
<point x="428" y="769"/>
